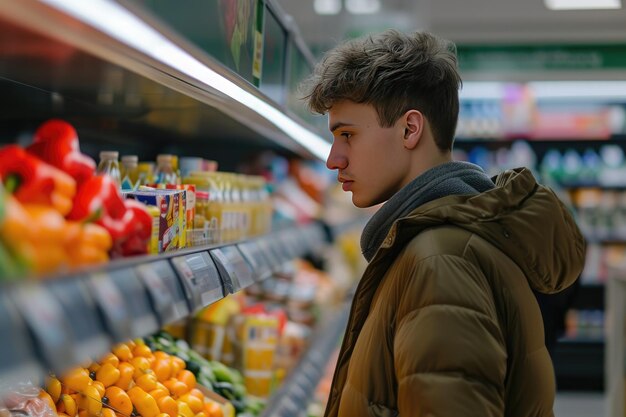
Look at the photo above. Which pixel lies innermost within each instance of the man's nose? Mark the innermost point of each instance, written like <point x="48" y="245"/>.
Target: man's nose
<point x="336" y="159"/>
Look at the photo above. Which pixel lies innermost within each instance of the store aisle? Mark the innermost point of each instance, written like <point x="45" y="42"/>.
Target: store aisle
<point x="579" y="404"/>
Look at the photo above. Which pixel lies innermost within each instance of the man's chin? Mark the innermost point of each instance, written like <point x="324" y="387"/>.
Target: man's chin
<point x="361" y="203"/>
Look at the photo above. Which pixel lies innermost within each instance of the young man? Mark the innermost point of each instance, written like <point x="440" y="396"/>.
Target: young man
<point x="444" y="322"/>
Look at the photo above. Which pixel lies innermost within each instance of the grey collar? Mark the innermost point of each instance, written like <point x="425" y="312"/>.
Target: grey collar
<point x="450" y="178"/>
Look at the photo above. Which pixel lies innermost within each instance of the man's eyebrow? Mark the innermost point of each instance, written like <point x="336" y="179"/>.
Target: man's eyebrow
<point x="339" y="125"/>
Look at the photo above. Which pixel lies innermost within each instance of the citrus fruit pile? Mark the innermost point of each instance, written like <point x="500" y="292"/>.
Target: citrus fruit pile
<point x="131" y="381"/>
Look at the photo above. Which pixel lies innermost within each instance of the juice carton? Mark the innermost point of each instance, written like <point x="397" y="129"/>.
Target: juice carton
<point x="168" y="225"/>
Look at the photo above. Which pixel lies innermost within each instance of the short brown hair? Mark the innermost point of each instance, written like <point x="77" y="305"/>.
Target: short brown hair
<point x="395" y="72"/>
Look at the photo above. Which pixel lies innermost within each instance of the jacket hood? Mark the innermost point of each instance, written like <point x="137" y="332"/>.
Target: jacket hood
<point x="520" y="217"/>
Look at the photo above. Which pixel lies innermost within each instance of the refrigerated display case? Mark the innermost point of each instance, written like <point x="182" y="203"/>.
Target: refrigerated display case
<point x="615" y="363"/>
<point x="127" y="80"/>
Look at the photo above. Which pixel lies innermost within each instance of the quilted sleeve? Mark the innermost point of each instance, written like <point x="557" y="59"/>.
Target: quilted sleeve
<point x="449" y="352"/>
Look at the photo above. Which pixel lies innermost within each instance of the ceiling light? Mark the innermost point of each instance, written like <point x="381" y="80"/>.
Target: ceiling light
<point x="582" y="4"/>
<point x="118" y="22"/>
<point x="327" y="6"/>
<point x="363" y="6"/>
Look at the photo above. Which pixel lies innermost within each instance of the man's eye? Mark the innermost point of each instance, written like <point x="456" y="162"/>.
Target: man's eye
<point x="346" y="135"/>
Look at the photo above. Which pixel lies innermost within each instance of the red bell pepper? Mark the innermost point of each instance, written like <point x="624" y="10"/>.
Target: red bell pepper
<point x="34" y="181"/>
<point x="98" y="200"/>
<point x="141" y="230"/>
<point x="56" y="142"/>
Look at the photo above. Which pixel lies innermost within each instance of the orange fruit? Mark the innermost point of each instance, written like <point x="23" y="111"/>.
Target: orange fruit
<point x="213" y="409"/>
<point x="193" y="402"/>
<point x="110" y="358"/>
<point x="197" y="393"/>
<point x="175" y="387"/>
<point x="163" y="415"/>
<point x="76" y="379"/>
<point x="159" y="354"/>
<point x="123" y="352"/>
<point x="159" y="393"/>
<point x="94" y="367"/>
<point x="162" y="368"/>
<point x="47" y="399"/>
<point x="184" y="410"/>
<point x="161" y="386"/>
<point x="90" y="401"/>
<point x="201" y="414"/>
<point x="119" y="400"/>
<point x="107" y="412"/>
<point x="108" y="374"/>
<point x="100" y="387"/>
<point x="145" y="405"/>
<point x="126" y="375"/>
<point x="141" y="366"/>
<point x="53" y="386"/>
<point x="147" y="382"/>
<point x="177" y="365"/>
<point x="168" y="405"/>
<point x="142" y="350"/>
<point x="68" y="405"/>
<point x="187" y="377"/>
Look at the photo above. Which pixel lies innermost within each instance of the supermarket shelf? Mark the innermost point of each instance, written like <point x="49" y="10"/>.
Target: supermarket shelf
<point x="565" y="141"/>
<point x="589" y="297"/>
<point x="136" y="81"/>
<point x="579" y="364"/>
<point x="604" y="187"/>
<point x="606" y="241"/>
<point x="581" y="340"/>
<point x="295" y="394"/>
<point x="338" y="229"/>
<point x="64" y="321"/>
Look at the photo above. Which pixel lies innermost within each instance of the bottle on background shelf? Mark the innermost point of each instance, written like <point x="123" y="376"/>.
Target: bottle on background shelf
<point x="129" y="172"/>
<point x="109" y="165"/>
<point x="165" y="172"/>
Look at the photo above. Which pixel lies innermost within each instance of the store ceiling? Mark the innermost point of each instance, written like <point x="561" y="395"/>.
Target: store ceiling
<point x="464" y="21"/>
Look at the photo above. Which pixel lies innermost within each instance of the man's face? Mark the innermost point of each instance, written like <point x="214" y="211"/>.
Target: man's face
<point x="371" y="160"/>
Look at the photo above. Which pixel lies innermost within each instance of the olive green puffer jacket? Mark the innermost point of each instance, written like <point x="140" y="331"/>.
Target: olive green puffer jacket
<point x="444" y="322"/>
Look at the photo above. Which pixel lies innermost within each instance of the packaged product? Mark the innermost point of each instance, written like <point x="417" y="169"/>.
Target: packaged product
<point x="168" y="219"/>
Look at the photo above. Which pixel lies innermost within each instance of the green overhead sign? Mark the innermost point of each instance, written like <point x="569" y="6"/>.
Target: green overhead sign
<point x="552" y="57"/>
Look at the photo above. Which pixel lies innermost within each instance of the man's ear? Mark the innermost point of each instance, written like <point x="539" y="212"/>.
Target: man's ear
<point x="413" y="128"/>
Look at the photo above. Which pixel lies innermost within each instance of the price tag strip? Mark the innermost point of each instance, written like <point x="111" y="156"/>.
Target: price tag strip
<point x="236" y="273"/>
<point x="251" y="251"/>
<point x="200" y="278"/>
<point x="165" y="290"/>
<point x="17" y="360"/>
<point x="45" y="317"/>
<point x="143" y="320"/>
<point x="266" y="251"/>
<point x="89" y="338"/>
<point x="109" y="299"/>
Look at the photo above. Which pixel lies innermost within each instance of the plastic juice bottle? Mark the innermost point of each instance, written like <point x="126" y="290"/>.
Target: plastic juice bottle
<point x="109" y="165"/>
<point x="256" y="207"/>
<point x="145" y="173"/>
<point x="267" y="208"/>
<point x="236" y="205"/>
<point x="247" y="205"/>
<point x="217" y="206"/>
<point x="129" y="171"/>
<point x="165" y="172"/>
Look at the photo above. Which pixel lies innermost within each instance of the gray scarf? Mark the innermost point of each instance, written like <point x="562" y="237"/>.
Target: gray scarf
<point x="450" y="178"/>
